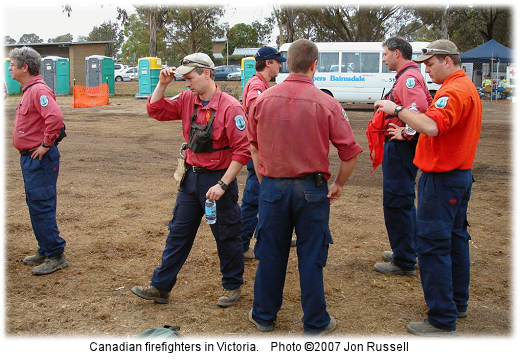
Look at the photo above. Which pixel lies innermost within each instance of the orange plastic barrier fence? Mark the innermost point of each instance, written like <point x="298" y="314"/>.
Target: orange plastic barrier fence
<point x="90" y="96"/>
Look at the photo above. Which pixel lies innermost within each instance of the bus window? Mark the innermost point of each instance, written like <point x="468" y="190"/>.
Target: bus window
<point x="285" y="68"/>
<point x="361" y="62"/>
<point x="328" y="62"/>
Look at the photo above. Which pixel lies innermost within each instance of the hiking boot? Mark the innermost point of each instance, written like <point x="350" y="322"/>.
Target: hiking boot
<point x="150" y="292"/>
<point x="262" y="328"/>
<point x="391" y="268"/>
<point x="387" y="255"/>
<point x="229" y="297"/>
<point x="34" y="259"/>
<point x="249" y="254"/>
<point x="293" y="241"/>
<point x="327" y="330"/>
<point x="462" y="314"/>
<point x="426" y="329"/>
<point x="50" y="265"/>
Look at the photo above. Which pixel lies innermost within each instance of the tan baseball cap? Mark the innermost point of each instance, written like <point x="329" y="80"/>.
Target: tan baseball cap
<point x="192" y="61"/>
<point x="438" y="47"/>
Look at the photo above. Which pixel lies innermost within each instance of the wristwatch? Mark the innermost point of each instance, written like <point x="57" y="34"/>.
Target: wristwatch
<point x="45" y="146"/>
<point x="223" y="185"/>
<point x="397" y="109"/>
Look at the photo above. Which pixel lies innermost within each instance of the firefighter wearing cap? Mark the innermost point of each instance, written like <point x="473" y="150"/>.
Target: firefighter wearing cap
<point x="268" y="65"/>
<point x="399" y="172"/>
<point x="37" y="126"/>
<point x="445" y="153"/>
<point x="211" y="174"/>
<point x="290" y="128"/>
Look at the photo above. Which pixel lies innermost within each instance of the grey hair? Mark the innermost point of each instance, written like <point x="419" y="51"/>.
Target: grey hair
<point x="27" y="55"/>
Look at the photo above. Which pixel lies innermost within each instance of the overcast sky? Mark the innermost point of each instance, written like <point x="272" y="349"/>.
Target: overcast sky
<point x="47" y="20"/>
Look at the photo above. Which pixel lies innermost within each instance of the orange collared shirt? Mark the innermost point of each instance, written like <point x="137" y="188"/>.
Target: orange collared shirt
<point x="457" y="110"/>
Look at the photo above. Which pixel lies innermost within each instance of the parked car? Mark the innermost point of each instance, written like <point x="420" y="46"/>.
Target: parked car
<point x="234" y="76"/>
<point x="221" y="72"/>
<point x="128" y="74"/>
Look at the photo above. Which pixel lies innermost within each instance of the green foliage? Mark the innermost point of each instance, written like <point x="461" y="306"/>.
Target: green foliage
<point x="30" y="39"/>
<point x="241" y="36"/>
<point x="108" y="32"/>
<point x="62" y="38"/>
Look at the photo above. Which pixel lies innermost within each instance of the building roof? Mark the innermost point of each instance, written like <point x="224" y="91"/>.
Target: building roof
<point x="245" y="51"/>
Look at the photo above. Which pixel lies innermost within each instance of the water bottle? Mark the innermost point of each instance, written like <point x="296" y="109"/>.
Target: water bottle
<point x="407" y="129"/>
<point x="210" y="209"/>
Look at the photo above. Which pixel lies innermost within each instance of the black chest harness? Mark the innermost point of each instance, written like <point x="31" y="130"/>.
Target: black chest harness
<point x="200" y="134"/>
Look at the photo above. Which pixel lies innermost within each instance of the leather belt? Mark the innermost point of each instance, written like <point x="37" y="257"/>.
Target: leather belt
<point x="198" y="169"/>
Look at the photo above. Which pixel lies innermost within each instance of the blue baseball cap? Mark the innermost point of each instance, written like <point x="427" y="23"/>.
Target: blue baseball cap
<point x="268" y="53"/>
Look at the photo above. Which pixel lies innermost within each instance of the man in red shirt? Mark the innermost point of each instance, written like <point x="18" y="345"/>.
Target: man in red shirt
<point x="399" y="172"/>
<point x="38" y="124"/>
<point x="445" y="153"/>
<point x="290" y="127"/>
<point x="268" y="64"/>
<point x="212" y="170"/>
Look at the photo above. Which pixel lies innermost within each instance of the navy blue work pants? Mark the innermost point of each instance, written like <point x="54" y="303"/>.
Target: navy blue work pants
<point x="40" y="179"/>
<point x="399" y="175"/>
<point x="187" y="214"/>
<point x="284" y="205"/>
<point x="249" y="206"/>
<point x="443" y="244"/>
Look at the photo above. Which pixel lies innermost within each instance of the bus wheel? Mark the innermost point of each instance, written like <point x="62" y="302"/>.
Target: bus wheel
<point x="327" y="92"/>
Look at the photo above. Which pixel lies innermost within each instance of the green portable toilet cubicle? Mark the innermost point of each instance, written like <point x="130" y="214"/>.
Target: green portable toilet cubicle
<point x="100" y="69"/>
<point x="247" y="70"/>
<point x="149" y="69"/>
<point x="55" y="73"/>
<point x="13" y="86"/>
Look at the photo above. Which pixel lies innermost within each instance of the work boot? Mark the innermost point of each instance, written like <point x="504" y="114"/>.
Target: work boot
<point x="327" y="330"/>
<point x="293" y="241"/>
<point x="424" y="328"/>
<point x="387" y="255"/>
<point x="34" y="259"/>
<point x="150" y="292"/>
<point x="229" y="297"/>
<point x="249" y="254"/>
<point x="262" y="328"/>
<point x="50" y="265"/>
<point x="391" y="268"/>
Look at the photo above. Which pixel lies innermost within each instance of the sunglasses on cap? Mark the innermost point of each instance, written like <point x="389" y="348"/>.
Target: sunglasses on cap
<point x="431" y="51"/>
<point x="186" y="62"/>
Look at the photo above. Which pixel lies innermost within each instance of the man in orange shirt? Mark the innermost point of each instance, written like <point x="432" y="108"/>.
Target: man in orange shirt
<point x="445" y="153"/>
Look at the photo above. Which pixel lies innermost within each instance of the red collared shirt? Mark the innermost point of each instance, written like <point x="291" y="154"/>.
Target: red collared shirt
<point x="291" y="125"/>
<point x="457" y="110"/>
<point x="254" y="87"/>
<point x="38" y="117"/>
<point x="410" y="88"/>
<point x="228" y="129"/>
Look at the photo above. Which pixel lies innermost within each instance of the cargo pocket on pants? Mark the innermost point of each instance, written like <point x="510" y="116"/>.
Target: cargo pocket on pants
<point x="42" y="200"/>
<point x="324" y="254"/>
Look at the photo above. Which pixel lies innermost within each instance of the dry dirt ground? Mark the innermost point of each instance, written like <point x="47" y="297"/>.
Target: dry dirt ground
<point x="116" y="193"/>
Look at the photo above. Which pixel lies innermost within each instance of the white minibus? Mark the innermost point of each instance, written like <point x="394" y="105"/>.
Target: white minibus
<point x="355" y="71"/>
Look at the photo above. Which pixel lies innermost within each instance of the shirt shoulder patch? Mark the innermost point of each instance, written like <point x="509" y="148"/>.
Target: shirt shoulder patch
<point x="442" y="102"/>
<point x="410" y="83"/>
<point x="240" y="122"/>
<point x="44" y="102"/>
<point x="344" y="114"/>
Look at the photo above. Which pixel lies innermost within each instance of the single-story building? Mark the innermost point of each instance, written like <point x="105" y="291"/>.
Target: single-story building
<point x="76" y="52"/>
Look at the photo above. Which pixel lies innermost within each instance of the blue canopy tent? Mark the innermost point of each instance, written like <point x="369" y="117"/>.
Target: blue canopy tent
<point x="490" y="51"/>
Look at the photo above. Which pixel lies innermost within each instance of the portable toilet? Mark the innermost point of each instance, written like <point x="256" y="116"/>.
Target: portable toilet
<point x="149" y="69"/>
<point x="247" y="70"/>
<point x="13" y="86"/>
<point x="55" y="73"/>
<point x="100" y="69"/>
